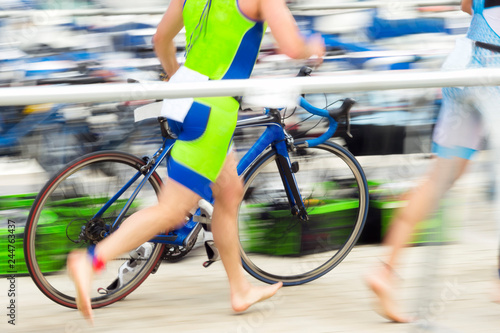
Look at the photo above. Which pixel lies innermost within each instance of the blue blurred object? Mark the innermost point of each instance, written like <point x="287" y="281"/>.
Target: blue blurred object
<point x="19" y="4"/>
<point x="384" y="28"/>
<point x="15" y="126"/>
<point x="335" y="41"/>
<point x="389" y="28"/>
<point x="123" y="27"/>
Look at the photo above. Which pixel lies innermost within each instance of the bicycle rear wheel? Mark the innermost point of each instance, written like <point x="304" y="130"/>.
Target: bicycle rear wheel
<point x="61" y="220"/>
<point x="278" y="246"/>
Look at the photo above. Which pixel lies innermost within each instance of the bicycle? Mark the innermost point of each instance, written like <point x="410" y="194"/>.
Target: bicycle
<point x="295" y="234"/>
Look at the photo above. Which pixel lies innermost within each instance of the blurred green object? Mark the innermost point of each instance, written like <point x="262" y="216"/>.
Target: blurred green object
<point x="428" y="231"/>
<point x="270" y="229"/>
<point x="17" y="201"/>
<point x="54" y="232"/>
<point x="386" y="200"/>
<point x="51" y="258"/>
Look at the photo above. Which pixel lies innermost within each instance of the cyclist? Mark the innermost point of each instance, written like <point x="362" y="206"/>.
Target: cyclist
<point x="459" y="132"/>
<point x="222" y="42"/>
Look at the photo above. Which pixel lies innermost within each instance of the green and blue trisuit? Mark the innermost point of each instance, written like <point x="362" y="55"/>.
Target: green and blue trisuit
<point x="221" y="43"/>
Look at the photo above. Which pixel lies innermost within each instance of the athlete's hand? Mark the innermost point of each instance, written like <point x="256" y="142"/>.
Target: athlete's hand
<point x="316" y="49"/>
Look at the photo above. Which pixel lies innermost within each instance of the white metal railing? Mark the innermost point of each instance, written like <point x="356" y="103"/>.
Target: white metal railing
<point x="330" y="84"/>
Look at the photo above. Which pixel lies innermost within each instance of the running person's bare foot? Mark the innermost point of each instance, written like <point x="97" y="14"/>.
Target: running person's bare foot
<point x="81" y="271"/>
<point x="382" y="284"/>
<point x="253" y="294"/>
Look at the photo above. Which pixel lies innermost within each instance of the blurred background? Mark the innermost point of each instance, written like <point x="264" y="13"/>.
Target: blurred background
<point x="64" y="42"/>
<point x="87" y="42"/>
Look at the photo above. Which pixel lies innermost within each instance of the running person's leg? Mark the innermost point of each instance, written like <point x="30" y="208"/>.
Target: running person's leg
<point x="421" y="202"/>
<point x="174" y="203"/>
<point x="227" y="190"/>
<point x="458" y="134"/>
<point x="228" y="193"/>
<point x="196" y="158"/>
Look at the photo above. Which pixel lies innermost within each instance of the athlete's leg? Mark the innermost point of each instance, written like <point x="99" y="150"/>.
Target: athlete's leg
<point x="174" y="203"/>
<point x="421" y="202"/>
<point x="228" y="193"/>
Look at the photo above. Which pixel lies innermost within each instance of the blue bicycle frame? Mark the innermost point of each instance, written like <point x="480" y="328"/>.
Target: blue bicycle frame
<point x="274" y="136"/>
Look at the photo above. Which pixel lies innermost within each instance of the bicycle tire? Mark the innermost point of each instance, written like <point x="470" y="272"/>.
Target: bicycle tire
<point x="276" y="246"/>
<point x="66" y="203"/>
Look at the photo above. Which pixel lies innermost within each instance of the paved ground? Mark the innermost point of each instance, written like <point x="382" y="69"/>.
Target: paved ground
<point x="450" y="286"/>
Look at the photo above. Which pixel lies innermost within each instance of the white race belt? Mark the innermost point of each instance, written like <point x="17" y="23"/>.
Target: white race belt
<point x="177" y="108"/>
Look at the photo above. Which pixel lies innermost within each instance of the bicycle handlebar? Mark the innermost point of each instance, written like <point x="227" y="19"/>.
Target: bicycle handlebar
<point x="333" y="117"/>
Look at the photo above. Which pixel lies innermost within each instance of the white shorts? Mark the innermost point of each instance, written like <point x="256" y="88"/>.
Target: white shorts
<point x="466" y="112"/>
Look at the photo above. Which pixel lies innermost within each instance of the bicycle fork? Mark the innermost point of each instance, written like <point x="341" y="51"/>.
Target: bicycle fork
<point x="287" y="171"/>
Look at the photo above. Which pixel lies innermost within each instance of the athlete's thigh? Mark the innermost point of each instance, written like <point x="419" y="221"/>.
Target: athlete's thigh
<point x="228" y="184"/>
<point x="198" y="156"/>
<point x="176" y="197"/>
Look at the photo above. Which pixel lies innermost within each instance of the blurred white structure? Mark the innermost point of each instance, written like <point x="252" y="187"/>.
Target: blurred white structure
<point x="306" y="85"/>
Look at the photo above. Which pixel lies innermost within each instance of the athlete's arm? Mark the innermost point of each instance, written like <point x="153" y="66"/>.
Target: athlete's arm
<point x="286" y="33"/>
<point x="163" y="40"/>
<point x="467" y="6"/>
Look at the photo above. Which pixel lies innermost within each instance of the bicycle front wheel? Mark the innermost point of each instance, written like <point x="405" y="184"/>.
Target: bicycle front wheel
<point x="61" y="220"/>
<point x="278" y="246"/>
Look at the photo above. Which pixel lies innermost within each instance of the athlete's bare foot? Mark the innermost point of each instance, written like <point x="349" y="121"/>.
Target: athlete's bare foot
<point x="80" y="270"/>
<point x="241" y="301"/>
<point x="382" y="284"/>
